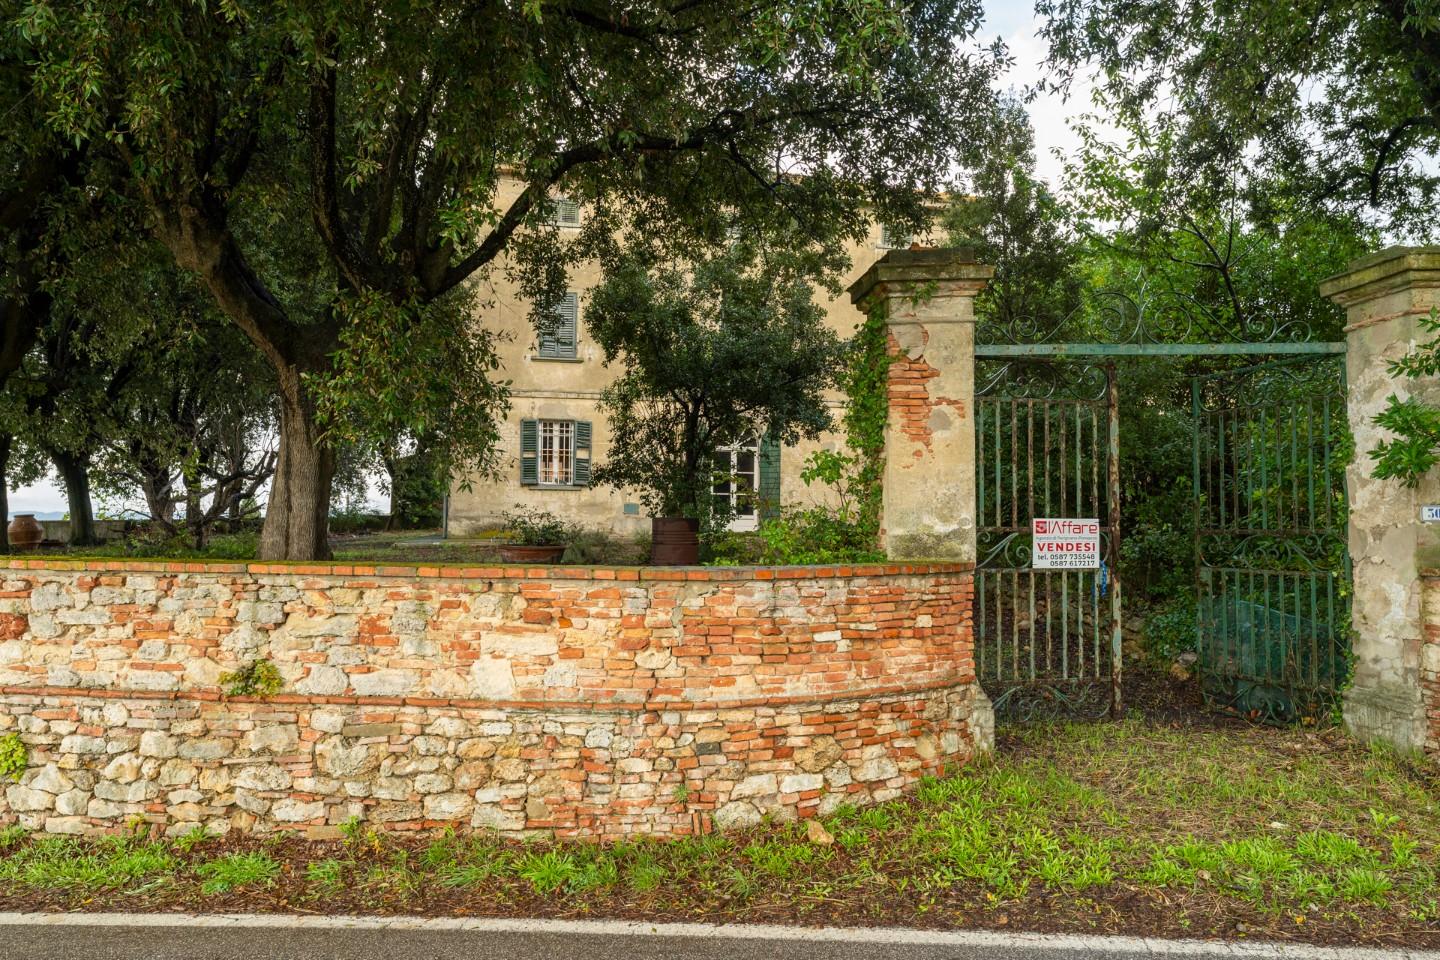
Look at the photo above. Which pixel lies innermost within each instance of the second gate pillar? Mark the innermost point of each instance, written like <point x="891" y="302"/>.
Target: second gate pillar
<point x="927" y="299"/>
<point x="1397" y="661"/>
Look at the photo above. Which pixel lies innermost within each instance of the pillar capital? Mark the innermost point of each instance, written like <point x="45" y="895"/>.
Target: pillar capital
<point x="906" y="274"/>
<point x="1392" y="270"/>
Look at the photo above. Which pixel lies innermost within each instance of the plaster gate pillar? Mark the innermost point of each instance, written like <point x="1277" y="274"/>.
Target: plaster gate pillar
<point x="1385" y="296"/>
<point x="928" y="302"/>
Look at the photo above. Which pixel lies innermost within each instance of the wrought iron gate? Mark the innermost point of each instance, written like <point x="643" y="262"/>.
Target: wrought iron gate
<point x="1270" y="446"/>
<point x="1272" y="568"/>
<point x="1047" y="443"/>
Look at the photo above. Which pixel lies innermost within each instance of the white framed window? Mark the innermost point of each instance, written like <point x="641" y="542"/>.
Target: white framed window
<point x="557" y="452"/>
<point x="565" y="212"/>
<point x="737" y="471"/>
<point x="892" y="239"/>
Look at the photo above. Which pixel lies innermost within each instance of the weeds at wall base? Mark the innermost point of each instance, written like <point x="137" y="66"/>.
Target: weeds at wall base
<point x="1112" y="828"/>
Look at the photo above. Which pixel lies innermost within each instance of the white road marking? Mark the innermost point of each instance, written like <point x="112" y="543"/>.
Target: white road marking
<point x="899" y="936"/>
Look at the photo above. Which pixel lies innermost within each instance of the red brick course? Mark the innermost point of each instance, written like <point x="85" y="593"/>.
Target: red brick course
<point x="908" y="389"/>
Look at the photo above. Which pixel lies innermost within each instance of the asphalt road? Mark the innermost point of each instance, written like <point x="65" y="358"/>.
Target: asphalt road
<point x="211" y="938"/>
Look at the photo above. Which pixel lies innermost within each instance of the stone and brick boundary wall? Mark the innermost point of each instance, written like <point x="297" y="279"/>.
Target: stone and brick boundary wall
<point x="583" y="701"/>
<point x="1430" y="660"/>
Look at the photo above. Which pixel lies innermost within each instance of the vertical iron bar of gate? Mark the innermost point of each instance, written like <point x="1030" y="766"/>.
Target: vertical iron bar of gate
<point x="1197" y="502"/>
<point x="1112" y="479"/>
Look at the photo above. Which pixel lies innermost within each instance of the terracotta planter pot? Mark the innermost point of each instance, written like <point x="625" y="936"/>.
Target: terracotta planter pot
<point x="25" y="532"/>
<point x="516" y="553"/>
<point x="674" y="541"/>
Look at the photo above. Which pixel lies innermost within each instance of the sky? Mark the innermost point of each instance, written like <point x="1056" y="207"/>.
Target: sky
<point x="1050" y="114"/>
<point x="1015" y="23"/>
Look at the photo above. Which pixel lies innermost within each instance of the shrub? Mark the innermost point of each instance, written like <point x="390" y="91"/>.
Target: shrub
<point x="596" y="547"/>
<point x="357" y="521"/>
<point x="14" y="758"/>
<point x="1170" y="630"/>
<point x="537" y="528"/>
<point x="258" y="678"/>
<point x="842" y="532"/>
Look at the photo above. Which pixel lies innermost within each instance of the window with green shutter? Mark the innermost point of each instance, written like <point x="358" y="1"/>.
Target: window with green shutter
<point x="769" y="478"/>
<point x="582" y="453"/>
<point x="529" y="452"/>
<point x="739" y="479"/>
<point x="555" y="453"/>
<point x="566" y="212"/>
<point x="892" y="239"/>
<point x="557" y="340"/>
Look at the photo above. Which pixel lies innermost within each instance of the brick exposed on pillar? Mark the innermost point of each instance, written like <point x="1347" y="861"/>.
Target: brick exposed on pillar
<point x="928" y="301"/>
<point x="1385" y="296"/>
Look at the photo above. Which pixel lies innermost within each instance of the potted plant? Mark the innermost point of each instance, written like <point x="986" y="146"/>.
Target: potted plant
<point x="539" y="536"/>
<point x="711" y="353"/>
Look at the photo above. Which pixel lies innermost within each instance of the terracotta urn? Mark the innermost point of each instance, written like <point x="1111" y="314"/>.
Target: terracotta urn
<point x="25" y="532"/>
<point x="518" y="553"/>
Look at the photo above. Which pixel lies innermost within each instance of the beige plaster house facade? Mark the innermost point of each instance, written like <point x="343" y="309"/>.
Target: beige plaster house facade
<point x="555" y="430"/>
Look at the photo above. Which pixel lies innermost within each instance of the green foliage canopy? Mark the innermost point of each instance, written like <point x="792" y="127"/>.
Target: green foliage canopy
<point x="395" y="125"/>
<point x="711" y="354"/>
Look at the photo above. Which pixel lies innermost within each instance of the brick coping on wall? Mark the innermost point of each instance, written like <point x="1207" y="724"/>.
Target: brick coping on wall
<point x="493" y="571"/>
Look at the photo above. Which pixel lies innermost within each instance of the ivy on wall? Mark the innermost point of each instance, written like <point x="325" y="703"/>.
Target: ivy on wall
<point x="866" y="382"/>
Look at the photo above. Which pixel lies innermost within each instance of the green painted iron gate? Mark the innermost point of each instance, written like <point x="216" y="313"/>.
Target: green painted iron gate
<point x="1272" y="581"/>
<point x="1272" y="568"/>
<point x="1047" y="442"/>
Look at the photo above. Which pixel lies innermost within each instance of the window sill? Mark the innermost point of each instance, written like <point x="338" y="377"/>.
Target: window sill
<point x="555" y="486"/>
<point x="535" y="358"/>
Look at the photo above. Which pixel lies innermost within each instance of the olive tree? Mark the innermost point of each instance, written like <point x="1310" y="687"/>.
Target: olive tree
<point x="710" y="354"/>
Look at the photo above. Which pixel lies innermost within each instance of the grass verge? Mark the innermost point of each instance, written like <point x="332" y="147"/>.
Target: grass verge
<point x="1104" y="828"/>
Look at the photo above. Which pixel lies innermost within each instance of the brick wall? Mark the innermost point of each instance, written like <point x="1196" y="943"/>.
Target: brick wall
<point x="578" y="700"/>
<point x="908" y="392"/>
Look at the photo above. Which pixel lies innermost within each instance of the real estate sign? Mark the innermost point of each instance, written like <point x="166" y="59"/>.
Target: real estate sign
<point x="1065" y="543"/>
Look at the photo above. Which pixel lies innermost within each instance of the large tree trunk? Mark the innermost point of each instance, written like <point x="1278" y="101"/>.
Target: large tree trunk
<point x="75" y="474"/>
<point x="6" y="442"/>
<point x="194" y="515"/>
<point x="297" y="514"/>
<point x="297" y="517"/>
<point x="157" y="486"/>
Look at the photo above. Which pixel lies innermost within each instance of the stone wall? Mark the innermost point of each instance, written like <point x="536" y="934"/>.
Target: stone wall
<point x="576" y="700"/>
<point x="1430" y="661"/>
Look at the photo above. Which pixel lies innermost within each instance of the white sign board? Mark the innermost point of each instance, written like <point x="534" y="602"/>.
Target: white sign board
<point x="1065" y="543"/>
<point x="1430" y="514"/>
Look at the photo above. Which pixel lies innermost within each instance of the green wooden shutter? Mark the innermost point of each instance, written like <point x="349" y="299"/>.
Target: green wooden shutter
<point x="769" y="478"/>
<point x="557" y="341"/>
<point x="529" y="452"/>
<point x="565" y="333"/>
<point x="583" y="433"/>
<point x="567" y="212"/>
